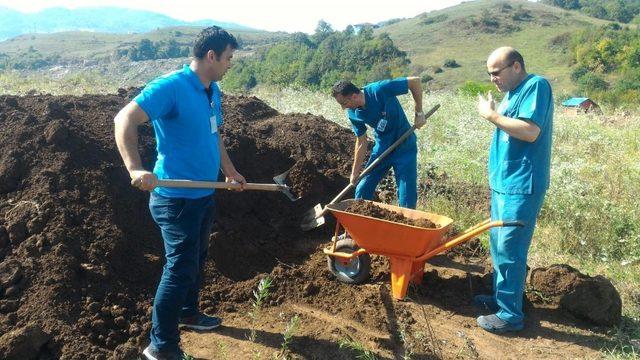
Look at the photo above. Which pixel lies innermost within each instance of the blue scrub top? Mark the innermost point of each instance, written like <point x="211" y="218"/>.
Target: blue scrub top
<point x="384" y="114"/>
<point x="185" y="118"/>
<point x="517" y="166"/>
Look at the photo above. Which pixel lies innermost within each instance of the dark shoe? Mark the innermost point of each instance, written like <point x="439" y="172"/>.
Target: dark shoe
<point x="492" y="323"/>
<point x="200" y="322"/>
<point x="150" y="353"/>
<point x="486" y="302"/>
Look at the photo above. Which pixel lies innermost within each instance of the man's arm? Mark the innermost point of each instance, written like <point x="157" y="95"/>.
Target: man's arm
<point x="415" y="87"/>
<point x="126" y="133"/>
<point x="358" y="158"/>
<point x="519" y="129"/>
<point x="226" y="165"/>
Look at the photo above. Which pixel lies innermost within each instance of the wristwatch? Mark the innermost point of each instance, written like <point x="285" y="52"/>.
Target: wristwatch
<point x="419" y="113"/>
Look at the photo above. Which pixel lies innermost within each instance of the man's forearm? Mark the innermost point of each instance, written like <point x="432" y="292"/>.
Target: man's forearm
<point x="358" y="155"/>
<point x="126" y="133"/>
<point x="415" y="86"/>
<point x="519" y="129"/>
<point x="225" y="161"/>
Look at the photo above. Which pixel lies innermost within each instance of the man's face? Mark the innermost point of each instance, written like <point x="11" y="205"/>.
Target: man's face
<point x="220" y="66"/>
<point x="502" y="74"/>
<point x="348" y="101"/>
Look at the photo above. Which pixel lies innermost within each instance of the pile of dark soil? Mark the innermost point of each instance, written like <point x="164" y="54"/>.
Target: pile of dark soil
<point x="79" y="253"/>
<point x="362" y="207"/>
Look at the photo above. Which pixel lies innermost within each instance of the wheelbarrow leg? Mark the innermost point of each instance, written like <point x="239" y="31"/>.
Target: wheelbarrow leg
<point x="400" y="276"/>
<point x="417" y="271"/>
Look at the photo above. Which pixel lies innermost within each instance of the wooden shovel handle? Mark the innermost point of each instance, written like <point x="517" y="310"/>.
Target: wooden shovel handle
<point x="192" y="184"/>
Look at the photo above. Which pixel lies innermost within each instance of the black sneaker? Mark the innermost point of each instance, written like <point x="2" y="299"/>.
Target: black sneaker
<point x="200" y="322"/>
<point x="150" y="353"/>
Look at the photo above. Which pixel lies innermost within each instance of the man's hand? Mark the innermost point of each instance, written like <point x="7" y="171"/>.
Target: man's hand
<point x="419" y="120"/>
<point x="486" y="106"/>
<point x="235" y="177"/>
<point x="143" y="180"/>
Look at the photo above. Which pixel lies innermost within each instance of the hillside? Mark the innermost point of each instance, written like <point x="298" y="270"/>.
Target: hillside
<point x="94" y="19"/>
<point x="468" y="32"/>
<point x="83" y="46"/>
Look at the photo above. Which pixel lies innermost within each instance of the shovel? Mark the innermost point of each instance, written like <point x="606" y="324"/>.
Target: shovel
<point x="228" y="186"/>
<point x="315" y="217"/>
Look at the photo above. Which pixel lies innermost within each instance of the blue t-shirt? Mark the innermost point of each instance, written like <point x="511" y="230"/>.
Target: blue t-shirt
<point x="185" y="118"/>
<point x="517" y="166"/>
<point x="383" y="113"/>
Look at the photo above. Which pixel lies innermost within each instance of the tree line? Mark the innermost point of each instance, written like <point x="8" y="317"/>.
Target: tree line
<point x="624" y="11"/>
<point x="321" y="59"/>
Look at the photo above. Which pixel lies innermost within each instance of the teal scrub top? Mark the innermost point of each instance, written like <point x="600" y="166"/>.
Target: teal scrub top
<point x="186" y="118"/>
<point x="384" y="114"/>
<point x="517" y="166"/>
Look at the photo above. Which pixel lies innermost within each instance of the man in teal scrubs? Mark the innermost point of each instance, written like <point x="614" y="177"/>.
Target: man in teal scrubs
<point x="519" y="162"/>
<point x="378" y="107"/>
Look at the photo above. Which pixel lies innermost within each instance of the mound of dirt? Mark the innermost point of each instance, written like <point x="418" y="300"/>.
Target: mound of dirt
<point x="592" y="298"/>
<point x="362" y="207"/>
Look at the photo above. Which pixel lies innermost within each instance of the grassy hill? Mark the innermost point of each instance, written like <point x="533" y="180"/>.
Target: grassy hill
<point x="468" y="32"/>
<point x="82" y="46"/>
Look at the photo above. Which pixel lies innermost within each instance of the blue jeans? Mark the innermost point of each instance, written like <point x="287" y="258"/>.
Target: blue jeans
<point x="509" y="250"/>
<point x="406" y="171"/>
<point x="185" y="225"/>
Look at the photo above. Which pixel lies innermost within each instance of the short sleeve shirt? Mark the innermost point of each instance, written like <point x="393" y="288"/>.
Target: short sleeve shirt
<point x="186" y="117"/>
<point x="517" y="166"/>
<point x="384" y="114"/>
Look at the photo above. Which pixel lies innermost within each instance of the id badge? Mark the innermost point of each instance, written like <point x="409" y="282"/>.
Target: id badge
<point x="382" y="124"/>
<point x="214" y="124"/>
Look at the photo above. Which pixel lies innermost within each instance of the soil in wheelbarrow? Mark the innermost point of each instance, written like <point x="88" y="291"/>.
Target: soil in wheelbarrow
<point x="80" y="257"/>
<point x="366" y="208"/>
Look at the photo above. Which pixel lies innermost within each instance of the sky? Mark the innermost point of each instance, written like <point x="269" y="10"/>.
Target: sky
<point x="272" y="15"/>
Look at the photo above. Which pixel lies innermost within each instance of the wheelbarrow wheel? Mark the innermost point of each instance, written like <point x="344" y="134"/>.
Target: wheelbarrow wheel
<point x="351" y="271"/>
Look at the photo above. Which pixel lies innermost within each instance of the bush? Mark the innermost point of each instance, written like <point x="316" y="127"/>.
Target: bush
<point x="473" y="88"/>
<point x="426" y="78"/>
<point x="451" y="63"/>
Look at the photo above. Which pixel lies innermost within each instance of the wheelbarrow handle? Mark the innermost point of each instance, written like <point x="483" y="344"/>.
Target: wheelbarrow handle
<point x="375" y="162"/>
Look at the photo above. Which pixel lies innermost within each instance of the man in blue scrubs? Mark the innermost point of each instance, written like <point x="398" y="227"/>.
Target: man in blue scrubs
<point x="377" y="106"/>
<point x="519" y="163"/>
<point x="186" y="112"/>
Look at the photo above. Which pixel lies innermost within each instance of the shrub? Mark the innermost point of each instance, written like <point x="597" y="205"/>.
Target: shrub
<point x="451" y="63"/>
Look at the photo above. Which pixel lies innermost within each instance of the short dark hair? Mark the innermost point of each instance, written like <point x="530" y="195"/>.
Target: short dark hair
<point x="213" y="38"/>
<point x="344" y="88"/>
<point x="513" y="56"/>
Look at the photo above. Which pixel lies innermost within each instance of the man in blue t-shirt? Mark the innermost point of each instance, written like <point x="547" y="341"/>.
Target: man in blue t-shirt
<point x="186" y="112"/>
<point x="519" y="164"/>
<point x="377" y="106"/>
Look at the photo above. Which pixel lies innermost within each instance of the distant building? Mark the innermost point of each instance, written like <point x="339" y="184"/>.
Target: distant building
<point x="575" y="106"/>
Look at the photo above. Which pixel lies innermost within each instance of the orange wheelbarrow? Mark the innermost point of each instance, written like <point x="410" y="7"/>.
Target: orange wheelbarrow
<point x="408" y="247"/>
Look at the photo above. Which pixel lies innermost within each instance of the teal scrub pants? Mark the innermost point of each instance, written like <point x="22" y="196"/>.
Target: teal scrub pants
<point x="509" y="249"/>
<point x="405" y="168"/>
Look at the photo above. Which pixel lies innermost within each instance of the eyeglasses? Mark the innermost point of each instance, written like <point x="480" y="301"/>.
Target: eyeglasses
<point x="497" y="72"/>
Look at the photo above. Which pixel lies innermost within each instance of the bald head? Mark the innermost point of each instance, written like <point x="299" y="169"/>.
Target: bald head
<point x="506" y="55"/>
<point x="505" y="66"/>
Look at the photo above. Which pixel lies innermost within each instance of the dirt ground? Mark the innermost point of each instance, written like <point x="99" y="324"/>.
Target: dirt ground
<point x="80" y="256"/>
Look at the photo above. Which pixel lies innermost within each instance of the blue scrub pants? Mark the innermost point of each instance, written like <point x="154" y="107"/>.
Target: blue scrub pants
<point x="509" y="249"/>
<point x="185" y="225"/>
<point x="405" y="168"/>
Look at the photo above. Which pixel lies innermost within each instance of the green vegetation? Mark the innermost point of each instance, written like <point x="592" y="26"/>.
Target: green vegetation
<point x="320" y="60"/>
<point x="259" y="296"/>
<point x="607" y="64"/>
<point x="617" y="10"/>
<point x="361" y="353"/>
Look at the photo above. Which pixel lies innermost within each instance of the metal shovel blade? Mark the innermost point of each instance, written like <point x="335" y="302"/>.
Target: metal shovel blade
<point x="280" y="180"/>
<point x="313" y="218"/>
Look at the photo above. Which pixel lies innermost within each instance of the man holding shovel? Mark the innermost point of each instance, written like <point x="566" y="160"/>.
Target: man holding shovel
<point x="377" y="106"/>
<point x="185" y="110"/>
<point x="519" y="163"/>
